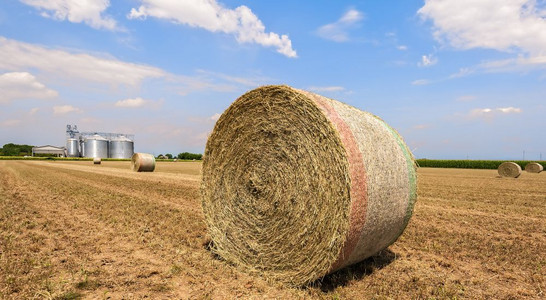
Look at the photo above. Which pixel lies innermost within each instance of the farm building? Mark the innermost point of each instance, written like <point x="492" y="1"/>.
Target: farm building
<point x="48" y="149"/>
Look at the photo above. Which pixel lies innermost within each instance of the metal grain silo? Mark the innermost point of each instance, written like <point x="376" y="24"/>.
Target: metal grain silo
<point x="72" y="147"/>
<point x="95" y="146"/>
<point x="121" y="147"/>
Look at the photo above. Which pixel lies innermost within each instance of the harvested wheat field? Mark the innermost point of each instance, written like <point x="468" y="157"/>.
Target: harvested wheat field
<point x="72" y="230"/>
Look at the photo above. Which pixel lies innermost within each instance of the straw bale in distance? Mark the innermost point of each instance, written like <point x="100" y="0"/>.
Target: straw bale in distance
<point x="509" y="169"/>
<point x="143" y="162"/>
<point x="97" y="160"/>
<point x="534" y="167"/>
<point x="296" y="185"/>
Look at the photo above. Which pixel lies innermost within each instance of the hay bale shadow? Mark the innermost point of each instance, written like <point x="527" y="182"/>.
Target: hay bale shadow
<point x="341" y="277"/>
<point x="357" y="271"/>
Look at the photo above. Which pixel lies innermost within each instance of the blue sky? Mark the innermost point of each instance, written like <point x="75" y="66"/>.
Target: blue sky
<point x="457" y="78"/>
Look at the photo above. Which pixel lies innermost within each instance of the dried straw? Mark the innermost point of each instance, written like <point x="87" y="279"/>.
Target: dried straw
<point x="143" y="162"/>
<point x="509" y="169"/>
<point x="97" y="160"/>
<point x="296" y="185"/>
<point x="534" y="167"/>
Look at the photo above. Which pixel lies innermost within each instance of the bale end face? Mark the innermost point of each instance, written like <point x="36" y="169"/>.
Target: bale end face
<point x="509" y="169"/>
<point x="534" y="167"/>
<point x="296" y="186"/>
<point x="143" y="162"/>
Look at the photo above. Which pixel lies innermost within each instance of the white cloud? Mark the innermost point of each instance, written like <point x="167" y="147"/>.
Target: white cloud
<point x="137" y="103"/>
<point x="215" y="117"/>
<point x="58" y="63"/>
<point x="253" y="81"/>
<point x="64" y="109"/>
<point x="402" y="47"/>
<point x="89" y="12"/>
<point x="33" y="111"/>
<point x="320" y="89"/>
<point x="420" y="82"/>
<point x="489" y="113"/>
<point x="132" y="103"/>
<point x="338" y="31"/>
<point x="504" y="25"/>
<point x="212" y="16"/>
<point x="462" y="73"/>
<point x="23" y="85"/>
<point x="427" y="61"/>
<point x="509" y="110"/>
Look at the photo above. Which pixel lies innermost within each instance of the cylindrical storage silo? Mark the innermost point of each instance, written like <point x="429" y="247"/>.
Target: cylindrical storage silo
<point x="72" y="147"/>
<point x="82" y="148"/>
<point x="121" y="147"/>
<point x="143" y="162"/>
<point x="95" y="146"/>
<point x="296" y="185"/>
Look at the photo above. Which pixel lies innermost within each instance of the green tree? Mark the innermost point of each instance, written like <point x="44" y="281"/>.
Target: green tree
<point x="187" y="155"/>
<point x="16" y="150"/>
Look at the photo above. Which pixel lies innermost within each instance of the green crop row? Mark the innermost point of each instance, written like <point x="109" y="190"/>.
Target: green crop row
<point x="470" y="164"/>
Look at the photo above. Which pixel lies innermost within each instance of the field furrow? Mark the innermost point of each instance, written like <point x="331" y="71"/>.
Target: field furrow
<point x="74" y="230"/>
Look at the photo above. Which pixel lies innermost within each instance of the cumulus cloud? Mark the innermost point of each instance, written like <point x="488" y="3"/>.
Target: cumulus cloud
<point x="89" y="12"/>
<point x="428" y="60"/>
<point x="504" y="25"/>
<point x="338" y="31"/>
<point x="19" y="55"/>
<point x="214" y="17"/>
<point x="64" y="109"/>
<point x="23" y="85"/>
<point x="320" y="89"/>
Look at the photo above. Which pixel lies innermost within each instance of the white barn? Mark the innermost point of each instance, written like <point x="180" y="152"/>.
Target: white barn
<point x="48" y="149"/>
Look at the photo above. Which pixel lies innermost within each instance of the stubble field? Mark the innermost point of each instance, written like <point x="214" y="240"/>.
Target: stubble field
<point x="72" y="230"/>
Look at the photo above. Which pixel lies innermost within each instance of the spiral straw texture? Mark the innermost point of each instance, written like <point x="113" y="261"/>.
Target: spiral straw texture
<point x="509" y="169"/>
<point x="143" y="162"/>
<point x="534" y="167"/>
<point x="296" y="185"/>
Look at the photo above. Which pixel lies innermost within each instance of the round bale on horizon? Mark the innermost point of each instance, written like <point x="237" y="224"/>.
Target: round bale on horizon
<point x="534" y="167"/>
<point x="509" y="169"/>
<point x="143" y="162"/>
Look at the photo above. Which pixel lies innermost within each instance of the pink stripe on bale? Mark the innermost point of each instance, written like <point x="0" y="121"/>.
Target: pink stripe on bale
<point x="357" y="171"/>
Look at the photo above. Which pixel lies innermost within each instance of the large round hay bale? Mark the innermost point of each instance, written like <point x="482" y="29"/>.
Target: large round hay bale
<point x="296" y="185"/>
<point x="509" y="169"/>
<point x="534" y="167"/>
<point x="97" y="160"/>
<point x="143" y="162"/>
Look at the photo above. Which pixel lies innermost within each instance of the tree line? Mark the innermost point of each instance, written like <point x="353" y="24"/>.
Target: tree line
<point x="15" y="150"/>
<point x="183" y="155"/>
